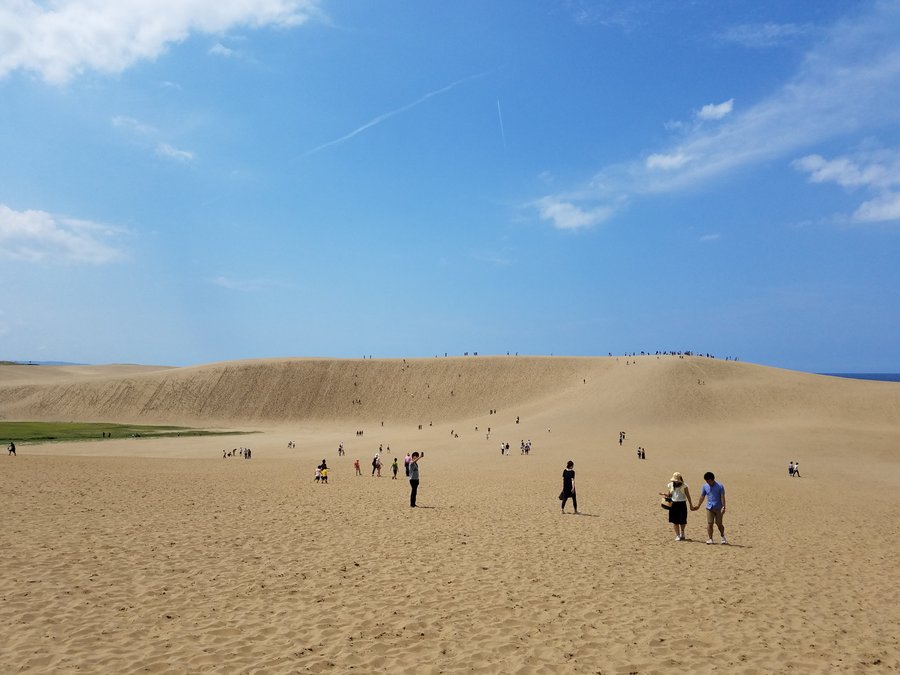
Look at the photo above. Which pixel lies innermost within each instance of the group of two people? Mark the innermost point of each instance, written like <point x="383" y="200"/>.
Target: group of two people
<point x="680" y="496"/>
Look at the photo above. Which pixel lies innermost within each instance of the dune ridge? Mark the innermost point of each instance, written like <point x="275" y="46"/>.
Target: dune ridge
<point x="273" y="391"/>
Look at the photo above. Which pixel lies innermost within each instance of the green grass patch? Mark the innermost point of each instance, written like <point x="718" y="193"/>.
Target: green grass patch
<point x="43" y="432"/>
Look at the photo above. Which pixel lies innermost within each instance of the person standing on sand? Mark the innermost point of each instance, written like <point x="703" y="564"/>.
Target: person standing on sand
<point x="356" y="466"/>
<point x="414" y="477"/>
<point x="568" y="488"/>
<point x="406" y="461"/>
<point x="714" y="494"/>
<point x="678" y="492"/>
<point x="395" y="467"/>
<point x="376" y="460"/>
<point x="791" y="469"/>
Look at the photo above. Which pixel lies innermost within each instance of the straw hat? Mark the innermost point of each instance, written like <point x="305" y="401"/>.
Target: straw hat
<point x="677" y="478"/>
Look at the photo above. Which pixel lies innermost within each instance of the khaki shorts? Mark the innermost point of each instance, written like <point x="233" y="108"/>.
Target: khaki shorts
<point x="714" y="516"/>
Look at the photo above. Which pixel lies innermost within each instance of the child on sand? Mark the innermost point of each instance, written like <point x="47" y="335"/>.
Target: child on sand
<point x="356" y="466"/>
<point x="318" y="473"/>
<point x="394" y="468"/>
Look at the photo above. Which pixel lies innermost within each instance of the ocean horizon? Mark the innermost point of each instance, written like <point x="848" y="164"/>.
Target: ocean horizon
<point x="881" y="377"/>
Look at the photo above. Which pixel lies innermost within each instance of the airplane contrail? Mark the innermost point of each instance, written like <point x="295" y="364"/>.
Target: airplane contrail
<point x="381" y="118"/>
<point x="502" y="132"/>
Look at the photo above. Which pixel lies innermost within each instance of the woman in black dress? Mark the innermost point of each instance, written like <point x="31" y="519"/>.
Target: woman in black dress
<point x="677" y="490"/>
<point x="568" y="489"/>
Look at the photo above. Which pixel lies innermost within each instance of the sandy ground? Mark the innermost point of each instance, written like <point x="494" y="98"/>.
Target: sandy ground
<point x="152" y="555"/>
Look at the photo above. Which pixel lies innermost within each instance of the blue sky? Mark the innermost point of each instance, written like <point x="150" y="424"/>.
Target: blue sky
<point x="187" y="181"/>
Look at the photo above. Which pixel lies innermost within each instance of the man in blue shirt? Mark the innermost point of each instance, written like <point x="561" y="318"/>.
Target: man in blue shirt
<point x="714" y="493"/>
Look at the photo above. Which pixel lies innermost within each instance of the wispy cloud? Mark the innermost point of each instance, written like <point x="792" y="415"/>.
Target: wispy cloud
<point x="716" y="111"/>
<point x="146" y="132"/>
<point x="246" y="285"/>
<point x="219" y="49"/>
<point x="667" y="162"/>
<point x="392" y="113"/>
<point x="849" y="83"/>
<point x="765" y="35"/>
<point x="167" y="151"/>
<point x="567" y="216"/>
<point x="876" y="173"/>
<point x="61" y="39"/>
<point x="706" y="238"/>
<point x="38" y="236"/>
<point x="133" y="125"/>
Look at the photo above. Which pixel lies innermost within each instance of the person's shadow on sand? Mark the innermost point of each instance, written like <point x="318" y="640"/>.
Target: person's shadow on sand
<point x="728" y="545"/>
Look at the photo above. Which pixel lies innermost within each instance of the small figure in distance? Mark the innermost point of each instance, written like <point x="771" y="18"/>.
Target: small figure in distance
<point x="394" y="468"/>
<point x="356" y="466"/>
<point x="797" y="469"/>
<point x="11" y="449"/>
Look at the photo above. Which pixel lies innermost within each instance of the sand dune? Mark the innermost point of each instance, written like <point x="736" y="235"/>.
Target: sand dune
<point x="661" y="390"/>
<point x="158" y="555"/>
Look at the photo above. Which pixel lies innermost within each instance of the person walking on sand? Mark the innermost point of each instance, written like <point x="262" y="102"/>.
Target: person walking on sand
<point x="356" y="466"/>
<point x="797" y="469"/>
<point x="406" y="461"/>
<point x="791" y="469"/>
<point x="395" y="467"/>
<point x="714" y="494"/>
<point x="568" y="488"/>
<point x="680" y="495"/>
<point x="414" y="477"/>
<point x="11" y="449"/>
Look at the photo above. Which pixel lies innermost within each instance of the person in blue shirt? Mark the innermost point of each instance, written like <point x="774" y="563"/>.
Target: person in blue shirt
<point x="714" y="494"/>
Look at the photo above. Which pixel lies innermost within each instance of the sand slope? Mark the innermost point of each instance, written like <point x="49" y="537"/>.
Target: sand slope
<point x="158" y="555"/>
<point x="654" y="389"/>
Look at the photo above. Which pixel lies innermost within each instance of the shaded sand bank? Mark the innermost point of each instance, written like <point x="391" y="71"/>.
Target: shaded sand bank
<point x="158" y="555"/>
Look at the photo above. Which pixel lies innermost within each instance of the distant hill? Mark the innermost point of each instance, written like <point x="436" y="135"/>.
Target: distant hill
<point x="648" y="390"/>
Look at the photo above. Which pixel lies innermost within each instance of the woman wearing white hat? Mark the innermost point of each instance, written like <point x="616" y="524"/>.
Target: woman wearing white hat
<point x="680" y="495"/>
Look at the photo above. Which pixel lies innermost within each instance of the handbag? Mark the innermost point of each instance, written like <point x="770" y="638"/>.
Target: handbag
<point x="665" y="503"/>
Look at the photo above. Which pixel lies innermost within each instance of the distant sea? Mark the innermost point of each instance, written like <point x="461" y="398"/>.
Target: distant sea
<point x="882" y="377"/>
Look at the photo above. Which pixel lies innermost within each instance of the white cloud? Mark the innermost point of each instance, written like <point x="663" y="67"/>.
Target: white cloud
<point x="149" y="133"/>
<point x="709" y="237"/>
<point x="885" y="207"/>
<point x="64" y="38"/>
<point x="567" y="216"/>
<point x="219" y="49"/>
<point x="716" y="111"/>
<point x="878" y="173"/>
<point x="667" y="162"/>
<point x="848" y="83"/>
<point x="246" y="285"/>
<point x="125" y="122"/>
<point x="166" y="150"/>
<point x="38" y="236"/>
<point x="765" y="35"/>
